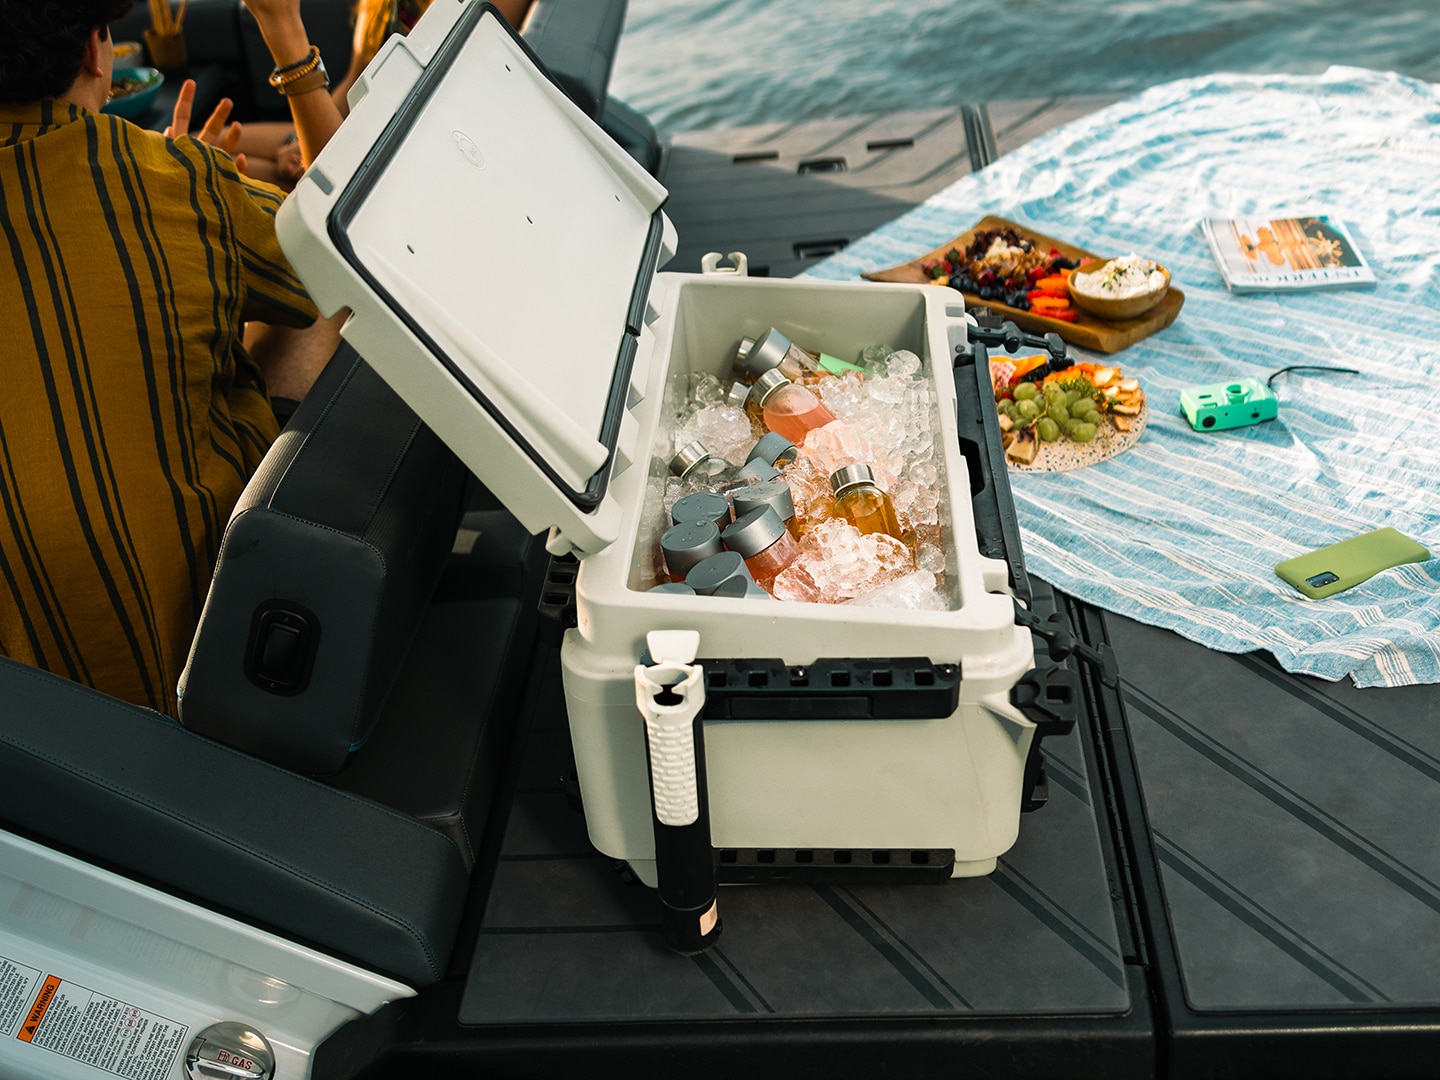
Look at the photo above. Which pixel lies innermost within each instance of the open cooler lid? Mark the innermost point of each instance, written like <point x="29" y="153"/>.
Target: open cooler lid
<point x="496" y="250"/>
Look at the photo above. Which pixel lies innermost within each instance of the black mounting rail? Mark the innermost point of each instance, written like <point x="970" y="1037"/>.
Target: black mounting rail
<point x="897" y="688"/>
<point x="843" y="866"/>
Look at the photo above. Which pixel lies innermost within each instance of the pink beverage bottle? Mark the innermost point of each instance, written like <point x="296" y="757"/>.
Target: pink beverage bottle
<point x="788" y="408"/>
<point x="761" y="539"/>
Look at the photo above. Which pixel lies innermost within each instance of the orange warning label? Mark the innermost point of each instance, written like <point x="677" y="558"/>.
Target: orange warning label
<point x="60" y="1016"/>
<point x="37" y="1010"/>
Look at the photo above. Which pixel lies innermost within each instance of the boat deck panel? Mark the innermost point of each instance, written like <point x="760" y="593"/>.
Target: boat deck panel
<point x="1293" y="822"/>
<point x="1017" y="122"/>
<point x="1254" y="854"/>
<point x="787" y="195"/>
<point x="569" y="938"/>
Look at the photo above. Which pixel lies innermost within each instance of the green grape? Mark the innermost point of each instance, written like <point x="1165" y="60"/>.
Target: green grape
<point x="1072" y="396"/>
<point x="1027" y="409"/>
<point x="1058" y="413"/>
<point x="1083" y="433"/>
<point x="1070" y="425"/>
<point x="1006" y="408"/>
<point x="1047" y="429"/>
<point x="1026" y="391"/>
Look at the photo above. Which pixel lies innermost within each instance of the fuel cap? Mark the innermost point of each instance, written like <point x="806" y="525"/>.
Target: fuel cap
<point x="229" y="1051"/>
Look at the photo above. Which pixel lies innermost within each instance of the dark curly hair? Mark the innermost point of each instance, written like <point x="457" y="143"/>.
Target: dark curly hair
<point x="43" y="41"/>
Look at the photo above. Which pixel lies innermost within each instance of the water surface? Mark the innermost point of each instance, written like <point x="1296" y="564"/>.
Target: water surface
<point x="691" y="64"/>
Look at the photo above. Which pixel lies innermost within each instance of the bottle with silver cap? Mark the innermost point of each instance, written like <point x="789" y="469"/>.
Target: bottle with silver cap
<point x="738" y="392"/>
<point x="693" y="462"/>
<point x="773" y="349"/>
<point x="862" y="502"/>
<point x="787" y="408"/>
<point x="689" y="543"/>
<point x="775" y="494"/>
<point x="761" y="539"/>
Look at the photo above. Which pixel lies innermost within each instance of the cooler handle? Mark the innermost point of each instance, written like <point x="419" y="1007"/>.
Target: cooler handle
<point x="997" y="531"/>
<point x="670" y="695"/>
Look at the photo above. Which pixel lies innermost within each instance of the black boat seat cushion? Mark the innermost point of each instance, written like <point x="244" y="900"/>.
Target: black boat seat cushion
<point x="576" y="40"/>
<point x="134" y="790"/>
<point x="323" y="573"/>
<point x="439" y="747"/>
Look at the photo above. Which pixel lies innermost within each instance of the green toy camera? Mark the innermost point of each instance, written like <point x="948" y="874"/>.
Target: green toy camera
<point x="1228" y="405"/>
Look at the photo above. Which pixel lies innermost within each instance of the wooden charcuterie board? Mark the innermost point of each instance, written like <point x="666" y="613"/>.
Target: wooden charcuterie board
<point x="1087" y="331"/>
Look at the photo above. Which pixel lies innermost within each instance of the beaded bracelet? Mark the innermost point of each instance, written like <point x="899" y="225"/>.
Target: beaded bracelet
<point x="314" y="79"/>
<point x="309" y="58"/>
<point x="289" y="79"/>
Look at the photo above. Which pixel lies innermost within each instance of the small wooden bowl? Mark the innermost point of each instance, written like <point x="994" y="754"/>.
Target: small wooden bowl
<point x="1113" y="310"/>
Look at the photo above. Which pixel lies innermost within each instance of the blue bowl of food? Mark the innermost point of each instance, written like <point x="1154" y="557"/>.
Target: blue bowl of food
<point x="132" y="92"/>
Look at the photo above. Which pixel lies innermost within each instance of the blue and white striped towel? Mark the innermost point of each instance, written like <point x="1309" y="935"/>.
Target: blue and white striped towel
<point x="1184" y="529"/>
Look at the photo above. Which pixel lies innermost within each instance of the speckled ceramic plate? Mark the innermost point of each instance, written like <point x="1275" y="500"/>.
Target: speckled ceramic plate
<point x="1064" y="455"/>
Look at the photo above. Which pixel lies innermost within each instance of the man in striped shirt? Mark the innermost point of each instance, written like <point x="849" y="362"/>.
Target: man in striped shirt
<point x="131" y="412"/>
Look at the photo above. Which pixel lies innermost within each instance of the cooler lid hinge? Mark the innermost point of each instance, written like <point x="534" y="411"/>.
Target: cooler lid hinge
<point x="556" y="604"/>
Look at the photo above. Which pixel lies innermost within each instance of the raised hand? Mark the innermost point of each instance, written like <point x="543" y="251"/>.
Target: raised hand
<point x="216" y="131"/>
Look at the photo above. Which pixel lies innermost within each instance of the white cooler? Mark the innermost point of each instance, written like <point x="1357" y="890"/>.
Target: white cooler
<point x="498" y="253"/>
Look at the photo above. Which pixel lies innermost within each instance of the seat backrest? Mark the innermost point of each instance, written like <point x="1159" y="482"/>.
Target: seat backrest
<point x="576" y="40"/>
<point x="323" y="573"/>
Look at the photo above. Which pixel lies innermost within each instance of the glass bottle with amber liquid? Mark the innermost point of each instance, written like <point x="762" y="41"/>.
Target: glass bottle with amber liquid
<point x="863" y="502"/>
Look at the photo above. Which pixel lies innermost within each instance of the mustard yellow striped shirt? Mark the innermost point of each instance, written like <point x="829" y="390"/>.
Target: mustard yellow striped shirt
<point x="131" y="415"/>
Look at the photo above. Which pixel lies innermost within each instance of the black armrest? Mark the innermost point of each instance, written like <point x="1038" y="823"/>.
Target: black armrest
<point x="323" y="574"/>
<point x="134" y="790"/>
<point x="576" y="40"/>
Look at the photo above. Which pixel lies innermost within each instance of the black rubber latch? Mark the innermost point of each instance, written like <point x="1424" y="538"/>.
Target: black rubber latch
<point x="1061" y="642"/>
<point x="281" y="650"/>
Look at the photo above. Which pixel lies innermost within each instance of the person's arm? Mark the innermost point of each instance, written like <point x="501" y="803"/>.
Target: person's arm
<point x="314" y="111"/>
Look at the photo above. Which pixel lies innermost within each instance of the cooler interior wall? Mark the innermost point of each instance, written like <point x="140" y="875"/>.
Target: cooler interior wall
<point x="711" y="318"/>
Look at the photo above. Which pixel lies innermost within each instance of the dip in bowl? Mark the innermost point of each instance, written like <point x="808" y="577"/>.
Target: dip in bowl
<point x="1122" y="288"/>
<point x="132" y="92"/>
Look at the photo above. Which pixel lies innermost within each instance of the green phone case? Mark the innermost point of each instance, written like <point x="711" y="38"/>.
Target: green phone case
<point x="1329" y="570"/>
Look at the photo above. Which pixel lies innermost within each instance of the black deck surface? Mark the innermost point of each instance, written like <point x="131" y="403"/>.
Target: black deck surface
<point x="1036" y="963"/>
<point x="567" y="939"/>
<point x="1237" y="875"/>
<point x="1287" y="841"/>
<point x="1296" y="824"/>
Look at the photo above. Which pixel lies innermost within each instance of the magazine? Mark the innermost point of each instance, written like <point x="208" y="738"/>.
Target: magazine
<point x="1259" y="254"/>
